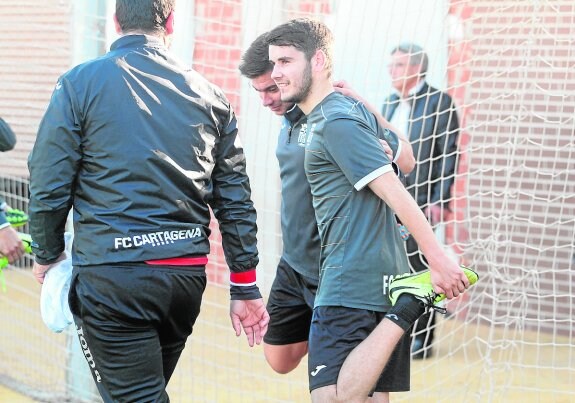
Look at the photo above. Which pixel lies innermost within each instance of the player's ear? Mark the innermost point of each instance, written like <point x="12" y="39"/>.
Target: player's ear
<point x="117" y="25"/>
<point x="170" y="24"/>
<point x="319" y="60"/>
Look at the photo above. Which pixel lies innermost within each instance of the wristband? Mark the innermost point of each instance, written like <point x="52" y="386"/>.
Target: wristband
<point x="244" y="279"/>
<point x="4" y="225"/>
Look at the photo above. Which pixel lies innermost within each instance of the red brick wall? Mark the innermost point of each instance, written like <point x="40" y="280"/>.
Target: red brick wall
<point x="217" y="53"/>
<point x="513" y="77"/>
<point x="218" y="44"/>
<point x="460" y="53"/>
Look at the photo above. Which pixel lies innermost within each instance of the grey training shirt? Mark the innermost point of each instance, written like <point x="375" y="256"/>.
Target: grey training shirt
<point x="361" y="249"/>
<point x="300" y="236"/>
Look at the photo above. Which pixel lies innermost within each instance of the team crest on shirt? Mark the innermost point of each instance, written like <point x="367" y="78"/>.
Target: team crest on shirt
<point x="305" y="135"/>
<point x="302" y="136"/>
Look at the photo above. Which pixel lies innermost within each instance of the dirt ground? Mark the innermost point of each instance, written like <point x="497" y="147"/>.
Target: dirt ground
<point x="7" y="395"/>
<point x="472" y="362"/>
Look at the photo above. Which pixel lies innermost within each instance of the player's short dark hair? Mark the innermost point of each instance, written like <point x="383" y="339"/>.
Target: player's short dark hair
<point x="255" y="60"/>
<point x="148" y="16"/>
<point x="306" y="35"/>
<point x="416" y="55"/>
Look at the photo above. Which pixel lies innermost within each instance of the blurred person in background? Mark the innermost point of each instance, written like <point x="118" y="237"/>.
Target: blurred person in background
<point x="428" y="117"/>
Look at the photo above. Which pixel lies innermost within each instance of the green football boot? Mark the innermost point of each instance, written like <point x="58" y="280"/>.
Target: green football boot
<point x="419" y="285"/>
<point x="16" y="217"/>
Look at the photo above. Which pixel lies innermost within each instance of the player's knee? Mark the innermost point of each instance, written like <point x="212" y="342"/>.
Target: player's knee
<point x="281" y="365"/>
<point x="283" y="359"/>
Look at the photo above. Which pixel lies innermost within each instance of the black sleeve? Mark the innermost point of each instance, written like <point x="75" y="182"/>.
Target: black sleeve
<point x="53" y="165"/>
<point x="231" y="200"/>
<point x="244" y="293"/>
<point x="7" y="136"/>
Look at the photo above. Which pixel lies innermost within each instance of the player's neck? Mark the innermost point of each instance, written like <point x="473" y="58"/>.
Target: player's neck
<point x="317" y="93"/>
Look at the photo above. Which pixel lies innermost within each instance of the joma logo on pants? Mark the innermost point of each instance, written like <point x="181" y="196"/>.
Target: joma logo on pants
<point x="88" y="354"/>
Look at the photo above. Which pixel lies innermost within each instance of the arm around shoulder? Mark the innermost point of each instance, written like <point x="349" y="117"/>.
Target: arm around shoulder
<point x="406" y="160"/>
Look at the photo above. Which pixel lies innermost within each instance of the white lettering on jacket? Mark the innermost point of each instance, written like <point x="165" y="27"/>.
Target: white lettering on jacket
<point x="155" y="238"/>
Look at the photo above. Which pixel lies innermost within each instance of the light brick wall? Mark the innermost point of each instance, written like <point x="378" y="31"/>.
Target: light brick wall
<point x="35" y="49"/>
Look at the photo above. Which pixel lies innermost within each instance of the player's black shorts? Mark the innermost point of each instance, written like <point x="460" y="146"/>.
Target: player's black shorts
<point x="290" y="305"/>
<point x="337" y="330"/>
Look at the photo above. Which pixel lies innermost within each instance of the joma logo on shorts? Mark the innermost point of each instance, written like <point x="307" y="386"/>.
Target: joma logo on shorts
<point x="88" y="354"/>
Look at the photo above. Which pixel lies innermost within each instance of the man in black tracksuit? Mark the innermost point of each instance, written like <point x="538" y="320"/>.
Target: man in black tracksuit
<point x="139" y="146"/>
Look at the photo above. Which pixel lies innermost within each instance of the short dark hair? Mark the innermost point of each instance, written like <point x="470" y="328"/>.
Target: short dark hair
<point x="255" y="60"/>
<point x="148" y="16"/>
<point x="416" y="55"/>
<point x="306" y="35"/>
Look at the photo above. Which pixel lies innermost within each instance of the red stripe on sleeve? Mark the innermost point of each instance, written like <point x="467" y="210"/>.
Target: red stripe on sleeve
<point x="244" y="278"/>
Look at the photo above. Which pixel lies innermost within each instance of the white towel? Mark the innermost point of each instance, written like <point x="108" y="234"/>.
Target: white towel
<point x="54" y="305"/>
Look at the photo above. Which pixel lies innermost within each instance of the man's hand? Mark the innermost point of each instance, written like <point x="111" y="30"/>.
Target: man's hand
<point x="252" y="316"/>
<point x="387" y="149"/>
<point x="344" y="88"/>
<point x="39" y="270"/>
<point x="11" y="245"/>
<point x="448" y="278"/>
<point x="405" y="160"/>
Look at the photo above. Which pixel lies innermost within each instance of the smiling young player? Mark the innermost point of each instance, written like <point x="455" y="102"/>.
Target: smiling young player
<point x="355" y="328"/>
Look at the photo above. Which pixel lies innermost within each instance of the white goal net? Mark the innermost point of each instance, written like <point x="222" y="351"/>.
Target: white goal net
<point x="509" y="66"/>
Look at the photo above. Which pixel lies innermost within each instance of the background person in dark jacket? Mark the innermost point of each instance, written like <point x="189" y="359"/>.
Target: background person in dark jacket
<point x="429" y="119"/>
<point x="139" y="145"/>
<point x="10" y="244"/>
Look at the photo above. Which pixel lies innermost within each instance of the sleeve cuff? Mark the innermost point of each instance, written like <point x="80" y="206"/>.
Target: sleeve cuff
<point x="245" y="293"/>
<point x="243" y="279"/>
<point x="398" y="152"/>
<point x="363" y="182"/>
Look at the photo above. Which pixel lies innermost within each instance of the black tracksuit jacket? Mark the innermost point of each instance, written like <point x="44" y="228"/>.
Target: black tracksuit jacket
<point x="139" y="146"/>
<point x="433" y="132"/>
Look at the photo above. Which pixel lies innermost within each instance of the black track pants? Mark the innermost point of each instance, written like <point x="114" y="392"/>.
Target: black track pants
<point x="133" y="322"/>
